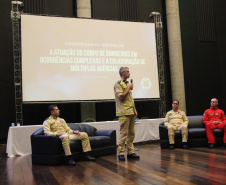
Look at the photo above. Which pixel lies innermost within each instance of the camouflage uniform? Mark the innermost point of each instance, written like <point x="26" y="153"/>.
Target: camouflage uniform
<point x="176" y="121"/>
<point x="53" y="125"/>
<point x="126" y="112"/>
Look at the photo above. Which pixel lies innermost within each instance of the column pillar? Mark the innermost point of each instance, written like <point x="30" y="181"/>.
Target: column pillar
<point x="175" y="52"/>
<point x="88" y="110"/>
<point x="84" y="8"/>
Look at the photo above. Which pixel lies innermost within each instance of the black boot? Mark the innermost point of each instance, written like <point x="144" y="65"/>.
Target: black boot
<point x="87" y="157"/>
<point x="185" y="146"/>
<point x="121" y="157"/>
<point x="211" y="145"/>
<point x="133" y="156"/>
<point x="171" y="146"/>
<point x="69" y="161"/>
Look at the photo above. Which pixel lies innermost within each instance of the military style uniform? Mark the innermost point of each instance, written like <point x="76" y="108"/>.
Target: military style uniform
<point x="54" y="125"/>
<point x="126" y="112"/>
<point x="176" y="121"/>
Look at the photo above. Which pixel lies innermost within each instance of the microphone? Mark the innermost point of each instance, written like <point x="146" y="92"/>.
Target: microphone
<point x="131" y="81"/>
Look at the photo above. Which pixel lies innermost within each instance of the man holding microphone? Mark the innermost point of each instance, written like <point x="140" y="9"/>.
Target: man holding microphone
<point x="126" y="111"/>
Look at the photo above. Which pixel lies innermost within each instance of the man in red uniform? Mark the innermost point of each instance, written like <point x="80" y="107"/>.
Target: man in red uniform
<point x="214" y="118"/>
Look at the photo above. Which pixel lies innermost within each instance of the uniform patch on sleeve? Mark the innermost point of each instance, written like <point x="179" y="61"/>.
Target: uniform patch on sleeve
<point x="203" y="114"/>
<point x="119" y="86"/>
<point x="45" y="122"/>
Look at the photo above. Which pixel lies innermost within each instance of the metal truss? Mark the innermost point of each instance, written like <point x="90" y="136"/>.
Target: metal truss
<point x="15" y="16"/>
<point x="158" y="31"/>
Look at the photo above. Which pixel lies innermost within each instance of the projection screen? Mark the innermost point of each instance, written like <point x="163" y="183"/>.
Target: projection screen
<point x="71" y="59"/>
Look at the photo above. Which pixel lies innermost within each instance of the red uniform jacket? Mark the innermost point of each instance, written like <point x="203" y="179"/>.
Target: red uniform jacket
<point x="213" y="114"/>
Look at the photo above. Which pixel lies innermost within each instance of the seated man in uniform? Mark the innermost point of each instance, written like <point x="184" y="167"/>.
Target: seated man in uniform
<point x="56" y="126"/>
<point x="177" y="120"/>
<point x="214" y="118"/>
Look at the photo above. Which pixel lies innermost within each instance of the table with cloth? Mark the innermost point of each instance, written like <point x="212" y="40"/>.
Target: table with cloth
<point x="19" y="143"/>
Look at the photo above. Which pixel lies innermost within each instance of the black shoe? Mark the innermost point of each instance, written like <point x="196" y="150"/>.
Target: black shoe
<point x="211" y="145"/>
<point x="69" y="161"/>
<point x="121" y="157"/>
<point x="185" y="146"/>
<point x="89" y="158"/>
<point x="133" y="156"/>
<point x="171" y="146"/>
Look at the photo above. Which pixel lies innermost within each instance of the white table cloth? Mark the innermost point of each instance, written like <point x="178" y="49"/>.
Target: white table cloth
<point x="19" y="142"/>
<point x="145" y="129"/>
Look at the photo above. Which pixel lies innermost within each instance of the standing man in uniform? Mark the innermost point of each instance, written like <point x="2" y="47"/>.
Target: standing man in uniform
<point x="214" y="118"/>
<point x="126" y="111"/>
<point x="177" y="120"/>
<point x="56" y="126"/>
